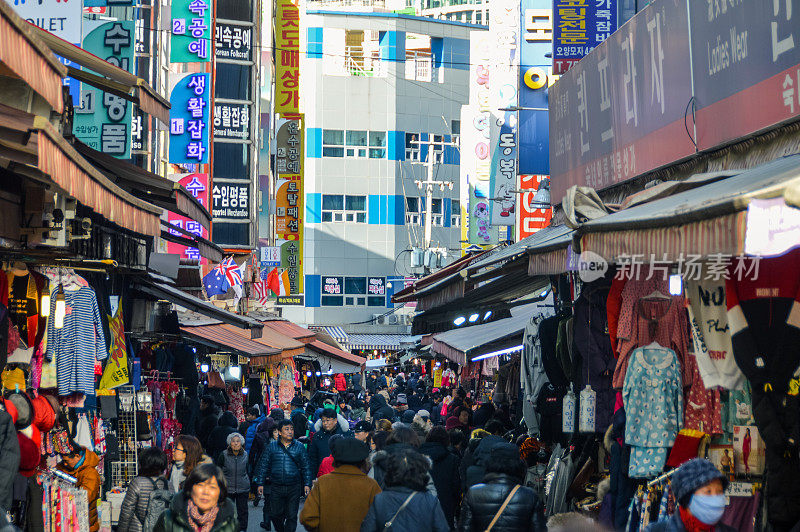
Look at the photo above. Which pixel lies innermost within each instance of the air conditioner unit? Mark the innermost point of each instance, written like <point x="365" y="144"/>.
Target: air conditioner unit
<point x="379" y="319"/>
<point x="392" y="319"/>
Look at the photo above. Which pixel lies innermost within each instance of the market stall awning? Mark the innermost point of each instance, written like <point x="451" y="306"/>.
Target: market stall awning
<point x="111" y="79"/>
<point x="33" y="145"/>
<point x="337" y="360"/>
<point x="337" y="333"/>
<point x="224" y="339"/>
<point x="706" y="220"/>
<point x="206" y="308"/>
<point x="292" y="330"/>
<point x="288" y="346"/>
<point x="146" y="185"/>
<point x="437" y="280"/>
<point x="389" y="342"/>
<point x="464" y="344"/>
<point x="24" y="55"/>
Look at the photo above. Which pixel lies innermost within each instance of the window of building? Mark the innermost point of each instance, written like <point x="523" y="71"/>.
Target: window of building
<point x="376" y="301"/>
<point x="355" y="285"/>
<point x="339" y="208"/>
<point x="331" y="301"/>
<point x="455" y="217"/>
<point x="455" y="131"/>
<point x="438" y="148"/>
<point x="419" y="59"/>
<point x="413" y="211"/>
<point x="412" y="147"/>
<point x="437" y="212"/>
<point x="351" y="301"/>
<point x="478" y="17"/>
<point x="354" y="143"/>
<point x="332" y="143"/>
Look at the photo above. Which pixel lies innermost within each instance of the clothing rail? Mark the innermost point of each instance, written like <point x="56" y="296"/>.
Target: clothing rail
<point x="661" y="478"/>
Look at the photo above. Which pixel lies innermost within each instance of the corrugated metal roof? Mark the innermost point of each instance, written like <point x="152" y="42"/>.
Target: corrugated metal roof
<point x="291" y="330"/>
<point x="337" y="333"/>
<point x="374" y="341"/>
<point x="272" y="338"/>
<point x="223" y="338"/>
<point x="316" y="345"/>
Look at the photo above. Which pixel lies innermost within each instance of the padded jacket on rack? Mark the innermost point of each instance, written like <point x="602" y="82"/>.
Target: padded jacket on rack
<point x="483" y="501"/>
<point x="134" y="506"/>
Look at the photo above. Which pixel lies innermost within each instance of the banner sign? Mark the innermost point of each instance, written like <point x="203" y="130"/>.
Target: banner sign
<point x="476" y="161"/>
<point x="536" y="76"/>
<point x="287" y="58"/>
<point x="332" y="286"/>
<point x="191" y="31"/>
<point x="103" y="120"/>
<point x="504" y="86"/>
<point x="376" y="286"/>
<point x="579" y="26"/>
<point x="532" y="216"/>
<point x="233" y="41"/>
<point x="289" y="202"/>
<point x="620" y="111"/>
<point x="232" y="121"/>
<point x="197" y="185"/>
<point x="746" y="58"/>
<point x="188" y="120"/>
<point x="270" y="257"/>
<point x="230" y="201"/>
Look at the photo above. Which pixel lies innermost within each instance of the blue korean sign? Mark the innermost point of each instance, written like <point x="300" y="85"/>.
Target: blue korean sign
<point x="535" y="75"/>
<point x="188" y="120"/>
<point x="103" y="120"/>
<point x="578" y="27"/>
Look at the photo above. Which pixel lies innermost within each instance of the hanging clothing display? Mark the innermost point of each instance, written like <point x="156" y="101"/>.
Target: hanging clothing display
<point x="702" y="407"/>
<point x="653" y="398"/>
<point x="532" y="374"/>
<point x="25" y="288"/>
<point x="79" y="343"/>
<point x="708" y="318"/>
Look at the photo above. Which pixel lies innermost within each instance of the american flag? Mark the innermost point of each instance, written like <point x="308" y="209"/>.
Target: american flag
<point x="261" y="290"/>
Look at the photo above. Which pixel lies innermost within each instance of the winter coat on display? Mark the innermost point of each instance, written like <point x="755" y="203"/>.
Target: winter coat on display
<point x="89" y="480"/>
<point x="235" y="468"/>
<point x="208" y="420"/>
<point x="532" y="372"/>
<point x="319" y="448"/>
<point x="134" y="506"/>
<point x="176" y="517"/>
<point x="422" y="514"/>
<point x="283" y="466"/>
<point x="592" y="346"/>
<point x="9" y="459"/>
<point x="675" y="524"/>
<point x="548" y="336"/>
<point x="339" y="501"/>
<point x="446" y="477"/>
<point x="483" y="501"/>
<point x="218" y="438"/>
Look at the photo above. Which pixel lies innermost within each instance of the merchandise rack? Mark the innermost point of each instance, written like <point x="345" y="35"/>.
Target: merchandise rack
<point x="125" y="469"/>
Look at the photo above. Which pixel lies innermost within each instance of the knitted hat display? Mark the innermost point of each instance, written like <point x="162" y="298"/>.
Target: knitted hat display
<point x="44" y="417"/>
<point x="28" y="455"/>
<point x="692" y="475"/>
<point x="24" y="408"/>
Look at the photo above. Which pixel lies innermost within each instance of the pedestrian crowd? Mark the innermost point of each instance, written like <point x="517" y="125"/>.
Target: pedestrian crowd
<point x="388" y="456"/>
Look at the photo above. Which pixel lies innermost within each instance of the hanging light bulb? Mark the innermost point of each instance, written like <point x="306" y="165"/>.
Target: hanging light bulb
<point x="45" y="305"/>
<point x="61" y="308"/>
<point x="236" y="371"/>
<point x="204" y="368"/>
<point x="245" y="390"/>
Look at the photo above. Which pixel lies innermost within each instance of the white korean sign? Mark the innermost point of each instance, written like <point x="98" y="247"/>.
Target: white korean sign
<point x="62" y="18"/>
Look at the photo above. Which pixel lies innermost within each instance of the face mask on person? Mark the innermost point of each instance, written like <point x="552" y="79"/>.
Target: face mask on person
<point x="708" y="508"/>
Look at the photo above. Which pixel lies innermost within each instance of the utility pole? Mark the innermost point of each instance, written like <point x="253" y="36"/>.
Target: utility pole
<point x="429" y="183"/>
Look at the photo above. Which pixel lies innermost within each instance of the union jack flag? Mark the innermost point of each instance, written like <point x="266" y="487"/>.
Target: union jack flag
<point x="231" y="271"/>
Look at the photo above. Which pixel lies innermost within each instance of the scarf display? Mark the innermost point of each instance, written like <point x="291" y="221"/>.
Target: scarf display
<point x="202" y="522"/>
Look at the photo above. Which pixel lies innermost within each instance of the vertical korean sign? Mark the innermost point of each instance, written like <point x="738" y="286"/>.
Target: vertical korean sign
<point x="191" y="31"/>
<point x="475" y="136"/>
<point x="504" y="37"/>
<point x="197" y="185"/>
<point x="188" y="120"/>
<point x="103" y="120"/>
<point x="533" y="215"/>
<point x="289" y="204"/>
<point x="579" y="26"/>
<point x="287" y="69"/>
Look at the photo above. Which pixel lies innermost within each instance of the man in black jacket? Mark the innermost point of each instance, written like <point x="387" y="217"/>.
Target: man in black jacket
<point x="319" y="448"/>
<point x="483" y="501"/>
<point x="285" y="463"/>
<point x="209" y="413"/>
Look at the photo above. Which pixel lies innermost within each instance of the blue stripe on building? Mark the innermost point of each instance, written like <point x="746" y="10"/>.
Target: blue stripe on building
<point x="447" y="208"/>
<point x="373" y="209"/>
<point x="313" y="290"/>
<point x="314" y="142"/>
<point x="315" y="43"/>
<point x="393" y="45"/>
<point x="396" y="142"/>
<point x="313" y="207"/>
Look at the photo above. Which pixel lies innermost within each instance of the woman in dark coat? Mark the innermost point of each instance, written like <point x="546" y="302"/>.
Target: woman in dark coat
<point x="152" y="463"/>
<point x="483" y="501"/>
<point x="202" y="505"/>
<point x="405" y="501"/>
<point x="218" y="439"/>
<point x="445" y="473"/>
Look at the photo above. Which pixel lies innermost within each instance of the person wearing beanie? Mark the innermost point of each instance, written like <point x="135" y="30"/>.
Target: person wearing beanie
<point x="339" y="501"/>
<point x="699" y="489"/>
<point x="233" y="462"/>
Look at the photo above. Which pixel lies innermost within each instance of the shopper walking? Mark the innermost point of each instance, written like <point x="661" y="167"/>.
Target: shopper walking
<point x="444" y="471"/>
<point x="209" y="414"/>
<point x="319" y="449"/>
<point x="187" y="455"/>
<point x="404" y="504"/>
<point x="202" y="505"/>
<point x="218" y="439"/>
<point x="267" y="432"/>
<point x="233" y="462"/>
<point x="133" y="512"/>
<point x="501" y="501"/>
<point x="285" y="463"/>
<point x="339" y="501"/>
